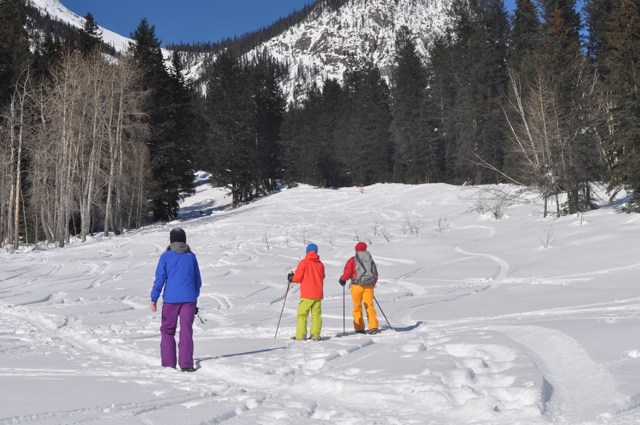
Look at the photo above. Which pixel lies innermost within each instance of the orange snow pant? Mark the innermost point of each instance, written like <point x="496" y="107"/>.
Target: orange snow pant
<point x="360" y="293"/>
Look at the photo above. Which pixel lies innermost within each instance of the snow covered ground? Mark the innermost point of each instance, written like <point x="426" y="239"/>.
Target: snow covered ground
<point x="513" y="321"/>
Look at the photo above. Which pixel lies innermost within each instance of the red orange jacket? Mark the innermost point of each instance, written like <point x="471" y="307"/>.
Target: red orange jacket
<point x="310" y="275"/>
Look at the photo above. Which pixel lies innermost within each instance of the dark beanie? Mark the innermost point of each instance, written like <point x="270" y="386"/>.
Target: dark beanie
<point x="361" y="246"/>
<point x="177" y="235"/>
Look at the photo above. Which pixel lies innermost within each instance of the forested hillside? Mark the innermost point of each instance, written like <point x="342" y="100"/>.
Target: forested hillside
<point x="92" y="142"/>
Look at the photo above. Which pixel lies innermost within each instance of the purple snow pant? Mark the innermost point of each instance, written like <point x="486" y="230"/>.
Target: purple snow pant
<point x="170" y="313"/>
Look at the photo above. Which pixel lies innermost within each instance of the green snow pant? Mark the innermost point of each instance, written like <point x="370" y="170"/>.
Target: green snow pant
<point x="305" y="305"/>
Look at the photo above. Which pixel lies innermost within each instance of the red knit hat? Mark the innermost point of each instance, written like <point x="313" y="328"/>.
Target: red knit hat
<point x="361" y="246"/>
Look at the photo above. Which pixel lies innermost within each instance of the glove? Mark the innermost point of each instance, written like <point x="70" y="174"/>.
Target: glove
<point x="342" y="282"/>
<point x="290" y="276"/>
<point x="197" y="310"/>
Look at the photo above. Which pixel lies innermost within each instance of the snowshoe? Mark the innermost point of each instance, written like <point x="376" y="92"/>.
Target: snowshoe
<point x="320" y="338"/>
<point x="374" y="331"/>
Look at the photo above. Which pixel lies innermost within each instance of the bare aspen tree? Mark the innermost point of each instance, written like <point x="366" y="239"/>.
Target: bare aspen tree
<point x="21" y="94"/>
<point x="89" y="152"/>
<point x="14" y="132"/>
<point x="88" y="162"/>
<point x="541" y="137"/>
<point x="125" y="134"/>
<point x="42" y="174"/>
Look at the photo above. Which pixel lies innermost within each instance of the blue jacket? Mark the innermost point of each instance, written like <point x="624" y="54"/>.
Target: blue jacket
<point x="179" y="274"/>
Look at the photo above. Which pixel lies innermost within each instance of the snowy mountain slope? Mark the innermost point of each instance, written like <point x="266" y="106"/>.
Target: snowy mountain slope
<point x="490" y="326"/>
<point x="319" y="47"/>
<point x="57" y="10"/>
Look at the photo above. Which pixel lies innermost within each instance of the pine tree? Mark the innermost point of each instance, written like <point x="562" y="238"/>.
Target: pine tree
<point x="310" y="141"/>
<point x="14" y="45"/>
<point x="409" y="81"/>
<point x="269" y="107"/>
<point x="365" y="144"/>
<point x="525" y="37"/>
<point x="46" y="57"/>
<point x="622" y="86"/>
<point x="478" y="52"/>
<point x="598" y="13"/>
<point x="179" y="133"/>
<point x="307" y="140"/>
<point x="561" y="66"/>
<point x="290" y="143"/>
<point x="439" y="117"/>
<point x="170" y="161"/>
<point x="331" y="166"/>
<point x="89" y="36"/>
<point x="231" y="134"/>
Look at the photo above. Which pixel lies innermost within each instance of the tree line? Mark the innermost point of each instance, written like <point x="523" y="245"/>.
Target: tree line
<point x="521" y="99"/>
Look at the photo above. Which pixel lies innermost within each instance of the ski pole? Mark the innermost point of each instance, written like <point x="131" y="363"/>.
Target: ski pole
<point x="344" y="329"/>
<point x="385" y="316"/>
<point x="285" y="300"/>
<point x="197" y="311"/>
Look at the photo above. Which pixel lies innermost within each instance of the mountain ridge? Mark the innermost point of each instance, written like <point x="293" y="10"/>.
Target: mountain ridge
<point x="319" y="46"/>
<point x="60" y="12"/>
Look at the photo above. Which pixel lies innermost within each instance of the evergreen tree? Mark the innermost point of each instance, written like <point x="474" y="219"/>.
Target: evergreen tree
<point x="564" y="10"/>
<point x="409" y="81"/>
<point x="310" y="138"/>
<point x="89" y="36"/>
<point x="305" y="151"/>
<point x="269" y="107"/>
<point x="365" y="144"/>
<point x="14" y="45"/>
<point x="598" y="14"/>
<point x="179" y="130"/>
<point x="332" y="168"/>
<point x="561" y="50"/>
<point x="439" y="117"/>
<point x="291" y="153"/>
<point x="69" y="44"/>
<point x="47" y="55"/>
<point x="561" y="67"/>
<point x="525" y="41"/>
<point x="479" y="53"/>
<point x="526" y="35"/>
<point x="231" y="131"/>
<point x="494" y="66"/>
<point x="171" y="167"/>
<point x="622" y="88"/>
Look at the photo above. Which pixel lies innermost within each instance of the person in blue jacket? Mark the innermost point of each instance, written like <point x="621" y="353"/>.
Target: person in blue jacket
<point x="178" y="273"/>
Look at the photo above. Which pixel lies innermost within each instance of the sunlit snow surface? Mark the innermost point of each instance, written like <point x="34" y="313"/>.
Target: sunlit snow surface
<point x="490" y="326"/>
<point x="58" y="11"/>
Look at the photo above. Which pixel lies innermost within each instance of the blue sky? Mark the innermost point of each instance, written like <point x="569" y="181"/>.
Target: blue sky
<point x="190" y="20"/>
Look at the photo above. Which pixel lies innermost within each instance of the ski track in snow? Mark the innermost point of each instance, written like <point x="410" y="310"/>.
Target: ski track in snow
<point x="578" y="388"/>
<point x="503" y="266"/>
<point x="472" y="344"/>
